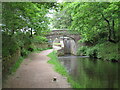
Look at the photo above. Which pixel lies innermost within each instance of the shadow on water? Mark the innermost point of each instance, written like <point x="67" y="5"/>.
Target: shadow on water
<point x="91" y="73"/>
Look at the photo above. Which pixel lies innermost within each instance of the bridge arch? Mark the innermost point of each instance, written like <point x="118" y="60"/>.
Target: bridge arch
<point x="69" y="40"/>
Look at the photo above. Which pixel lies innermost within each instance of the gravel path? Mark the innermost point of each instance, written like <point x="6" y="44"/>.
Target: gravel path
<point x="35" y="72"/>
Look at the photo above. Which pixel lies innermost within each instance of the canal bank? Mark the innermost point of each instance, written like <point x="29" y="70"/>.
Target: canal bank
<point x="83" y="72"/>
<point x="58" y="67"/>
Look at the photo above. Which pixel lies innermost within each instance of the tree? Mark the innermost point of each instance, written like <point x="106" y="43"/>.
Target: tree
<point x="19" y="15"/>
<point x="94" y="20"/>
<point x="61" y="20"/>
<point x="22" y="22"/>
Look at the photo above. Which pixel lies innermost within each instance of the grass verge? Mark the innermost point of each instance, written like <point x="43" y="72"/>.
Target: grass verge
<point x="61" y="69"/>
<point x="12" y="69"/>
<point x="16" y="65"/>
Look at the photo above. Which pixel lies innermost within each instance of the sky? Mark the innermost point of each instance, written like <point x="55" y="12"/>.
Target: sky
<point x="59" y="1"/>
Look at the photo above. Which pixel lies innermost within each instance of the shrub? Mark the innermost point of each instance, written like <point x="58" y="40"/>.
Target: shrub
<point x="9" y="45"/>
<point x="92" y="52"/>
<point x="82" y="50"/>
<point x="31" y="48"/>
<point x="106" y="51"/>
<point x="24" y="52"/>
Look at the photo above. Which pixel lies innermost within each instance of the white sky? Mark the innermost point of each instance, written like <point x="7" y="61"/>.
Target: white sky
<point x="59" y="1"/>
<point x="50" y="14"/>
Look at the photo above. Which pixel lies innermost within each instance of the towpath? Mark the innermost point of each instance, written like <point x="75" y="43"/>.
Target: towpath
<point x="35" y="72"/>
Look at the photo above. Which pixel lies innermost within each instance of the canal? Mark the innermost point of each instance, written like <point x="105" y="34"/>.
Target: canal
<point x="91" y="73"/>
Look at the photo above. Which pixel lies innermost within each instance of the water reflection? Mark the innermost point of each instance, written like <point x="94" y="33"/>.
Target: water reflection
<point x="91" y="73"/>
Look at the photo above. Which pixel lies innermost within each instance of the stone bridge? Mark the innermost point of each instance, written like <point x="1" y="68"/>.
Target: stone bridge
<point x="69" y="39"/>
<point x="57" y="33"/>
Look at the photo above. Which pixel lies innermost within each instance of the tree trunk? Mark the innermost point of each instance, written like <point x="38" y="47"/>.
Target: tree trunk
<point x="111" y="30"/>
<point x="31" y="33"/>
<point x="13" y="32"/>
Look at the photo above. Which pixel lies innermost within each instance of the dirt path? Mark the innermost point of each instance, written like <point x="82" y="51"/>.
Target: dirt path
<point x="35" y="72"/>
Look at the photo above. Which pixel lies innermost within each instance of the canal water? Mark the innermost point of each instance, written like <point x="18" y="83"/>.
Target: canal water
<point x="91" y="73"/>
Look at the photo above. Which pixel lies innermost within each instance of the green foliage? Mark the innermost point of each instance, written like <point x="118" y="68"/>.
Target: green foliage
<point x="31" y="47"/>
<point x="24" y="23"/>
<point x="61" y="20"/>
<point x="24" y="52"/>
<point x="82" y="50"/>
<point x="89" y="19"/>
<point x="25" y="15"/>
<point x="106" y="51"/>
<point x="61" y="69"/>
<point x="16" y="65"/>
<point x="9" y="45"/>
<point x="92" y="52"/>
<point x="39" y="39"/>
<point x="96" y="23"/>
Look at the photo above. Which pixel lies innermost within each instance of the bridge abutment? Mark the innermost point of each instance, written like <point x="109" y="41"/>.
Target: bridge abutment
<point x="70" y="40"/>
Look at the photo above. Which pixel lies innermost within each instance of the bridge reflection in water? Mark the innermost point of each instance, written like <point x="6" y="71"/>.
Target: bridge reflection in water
<point x="91" y="73"/>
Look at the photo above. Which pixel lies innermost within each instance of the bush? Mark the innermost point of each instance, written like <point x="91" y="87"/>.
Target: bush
<point x="92" y="52"/>
<point x="24" y="52"/>
<point x="82" y="50"/>
<point x="106" y="51"/>
<point x="9" y="45"/>
<point x="31" y="48"/>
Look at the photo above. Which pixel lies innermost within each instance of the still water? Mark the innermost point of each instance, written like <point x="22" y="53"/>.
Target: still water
<point x="90" y="73"/>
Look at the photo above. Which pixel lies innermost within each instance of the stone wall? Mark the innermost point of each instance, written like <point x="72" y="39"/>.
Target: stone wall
<point x="73" y="47"/>
<point x="70" y="47"/>
<point x="60" y="52"/>
<point x="67" y="46"/>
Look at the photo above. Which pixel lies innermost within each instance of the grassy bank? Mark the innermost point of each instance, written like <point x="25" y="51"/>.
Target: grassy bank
<point x="12" y="69"/>
<point x="61" y="69"/>
<point x="16" y="65"/>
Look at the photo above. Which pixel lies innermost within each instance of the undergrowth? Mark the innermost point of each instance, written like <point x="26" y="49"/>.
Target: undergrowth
<point x="16" y="65"/>
<point x="105" y="51"/>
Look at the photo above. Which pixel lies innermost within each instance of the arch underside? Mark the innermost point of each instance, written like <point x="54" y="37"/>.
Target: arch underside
<point x="70" y="43"/>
